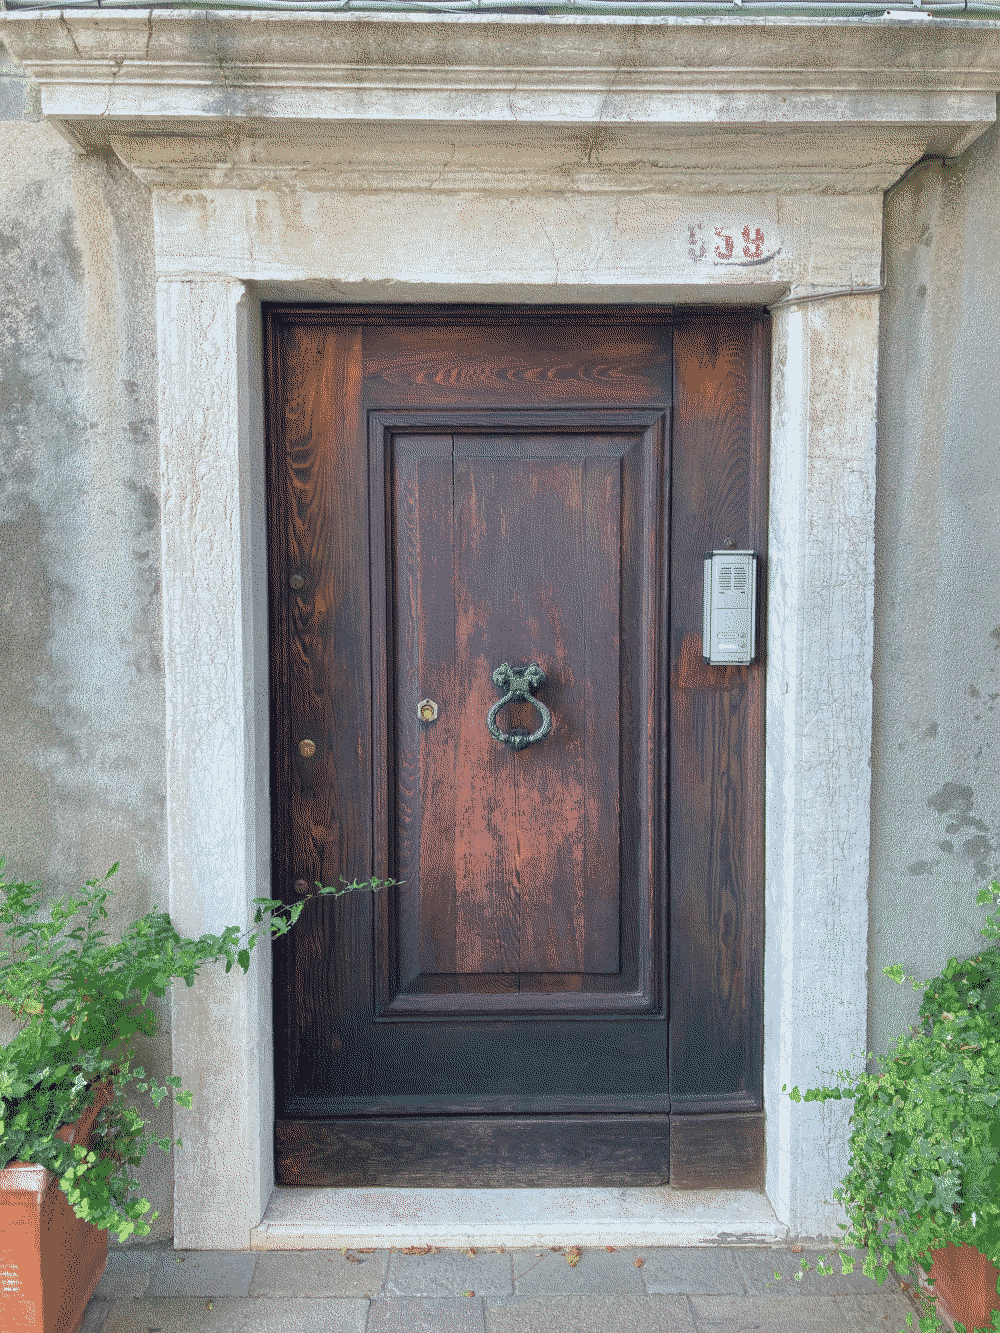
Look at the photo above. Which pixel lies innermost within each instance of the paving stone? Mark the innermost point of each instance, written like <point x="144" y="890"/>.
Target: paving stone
<point x="546" y="1273"/>
<point x="94" y="1316"/>
<point x="449" y="1273"/>
<point x="139" y="1248"/>
<point x="758" y="1266"/>
<point x="202" y="1273"/>
<point x="186" y="1314"/>
<point x="127" y="1272"/>
<point x="885" y="1312"/>
<point x="705" y="1270"/>
<point x="319" y="1273"/>
<point x="678" y="1290"/>
<point x="770" y="1314"/>
<point x="420" y="1314"/>
<point x="588" y="1314"/>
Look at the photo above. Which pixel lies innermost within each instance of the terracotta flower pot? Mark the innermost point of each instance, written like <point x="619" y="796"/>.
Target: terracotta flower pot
<point x="50" y="1261"/>
<point x="966" y="1286"/>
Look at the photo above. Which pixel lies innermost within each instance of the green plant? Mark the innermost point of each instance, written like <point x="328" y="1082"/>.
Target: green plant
<point x="81" y="1001"/>
<point x="925" y="1148"/>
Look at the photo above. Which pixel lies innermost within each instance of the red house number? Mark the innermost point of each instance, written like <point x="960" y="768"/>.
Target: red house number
<point x="729" y="244"/>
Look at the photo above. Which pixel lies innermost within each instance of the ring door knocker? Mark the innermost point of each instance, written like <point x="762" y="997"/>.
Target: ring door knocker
<point x="518" y="683"/>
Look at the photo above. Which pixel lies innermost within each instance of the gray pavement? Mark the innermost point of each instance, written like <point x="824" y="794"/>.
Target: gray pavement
<point x="724" y="1289"/>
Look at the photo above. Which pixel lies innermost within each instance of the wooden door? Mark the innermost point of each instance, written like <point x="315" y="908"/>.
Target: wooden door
<point x="565" y="987"/>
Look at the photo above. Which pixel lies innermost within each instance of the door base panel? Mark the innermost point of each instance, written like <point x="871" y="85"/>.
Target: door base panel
<point x="485" y="1152"/>
<point x="497" y="1152"/>
<point x="717" y="1152"/>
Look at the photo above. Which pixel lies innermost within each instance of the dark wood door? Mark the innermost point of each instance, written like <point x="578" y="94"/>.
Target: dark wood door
<point x="565" y="987"/>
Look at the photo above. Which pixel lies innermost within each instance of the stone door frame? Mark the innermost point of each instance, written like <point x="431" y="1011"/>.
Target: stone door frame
<point x="818" y="730"/>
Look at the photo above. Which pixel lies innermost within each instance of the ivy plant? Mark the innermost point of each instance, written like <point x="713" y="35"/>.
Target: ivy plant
<point x="81" y="1001"/>
<point x="924" y="1168"/>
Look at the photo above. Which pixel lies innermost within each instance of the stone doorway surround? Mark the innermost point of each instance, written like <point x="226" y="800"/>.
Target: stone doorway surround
<point x="336" y="157"/>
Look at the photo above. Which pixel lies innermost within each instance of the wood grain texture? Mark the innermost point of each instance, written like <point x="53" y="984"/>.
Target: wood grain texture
<point x="476" y="1152"/>
<point x="520" y="546"/>
<point x="457" y="365"/>
<point x="321" y="805"/>
<point x="425" y="667"/>
<point x="531" y="583"/>
<point x="716" y="754"/>
<point x="717" y="1152"/>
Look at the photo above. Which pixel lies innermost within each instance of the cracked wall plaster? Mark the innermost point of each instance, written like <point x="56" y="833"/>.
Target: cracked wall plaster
<point x="936" y="757"/>
<point x="81" y="673"/>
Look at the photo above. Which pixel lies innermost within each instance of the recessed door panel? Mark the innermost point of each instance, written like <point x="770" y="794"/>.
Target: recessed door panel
<point x="516" y="549"/>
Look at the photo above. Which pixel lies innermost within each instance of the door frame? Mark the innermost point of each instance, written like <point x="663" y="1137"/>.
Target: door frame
<point x="817" y="742"/>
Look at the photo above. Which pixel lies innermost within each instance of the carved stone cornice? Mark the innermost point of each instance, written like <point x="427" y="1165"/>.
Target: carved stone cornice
<point x="233" y="98"/>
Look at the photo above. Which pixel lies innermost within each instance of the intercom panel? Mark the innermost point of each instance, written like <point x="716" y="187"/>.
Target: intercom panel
<point x="730" y="608"/>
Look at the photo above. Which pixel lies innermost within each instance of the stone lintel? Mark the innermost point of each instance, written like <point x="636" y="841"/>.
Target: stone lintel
<point x="851" y="100"/>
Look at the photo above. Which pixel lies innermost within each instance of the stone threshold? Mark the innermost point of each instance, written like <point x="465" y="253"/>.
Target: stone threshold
<point x="381" y="1218"/>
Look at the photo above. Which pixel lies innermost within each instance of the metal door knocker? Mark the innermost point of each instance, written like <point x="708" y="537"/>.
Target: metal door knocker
<point x="518" y="682"/>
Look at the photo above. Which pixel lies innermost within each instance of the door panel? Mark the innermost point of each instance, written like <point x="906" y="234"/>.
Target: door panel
<point x="716" y="725"/>
<point x="456" y="489"/>
<point x="512" y="857"/>
<point x="486" y="534"/>
<point x="477" y="1152"/>
<point x="518" y="548"/>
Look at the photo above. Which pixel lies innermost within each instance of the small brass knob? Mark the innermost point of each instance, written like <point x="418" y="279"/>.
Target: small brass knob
<point x="296" y="582"/>
<point x="302" y="887"/>
<point x="307" y="749"/>
<point x="427" y="710"/>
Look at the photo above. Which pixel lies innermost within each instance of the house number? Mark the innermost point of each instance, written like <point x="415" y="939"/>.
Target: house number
<point x="741" y="245"/>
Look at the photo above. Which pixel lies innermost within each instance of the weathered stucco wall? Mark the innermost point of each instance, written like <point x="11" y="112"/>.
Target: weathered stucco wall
<point x="81" y="674"/>
<point x="936" y="751"/>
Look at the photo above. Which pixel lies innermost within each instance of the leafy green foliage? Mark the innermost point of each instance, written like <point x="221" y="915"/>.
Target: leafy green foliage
<point x="82" y="1001"/>
<point x="925" y="1149"/>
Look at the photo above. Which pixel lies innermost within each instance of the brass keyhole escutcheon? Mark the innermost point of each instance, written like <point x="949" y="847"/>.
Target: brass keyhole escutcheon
<point x="427" y="710"/>
<point x="307" y="749"/>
